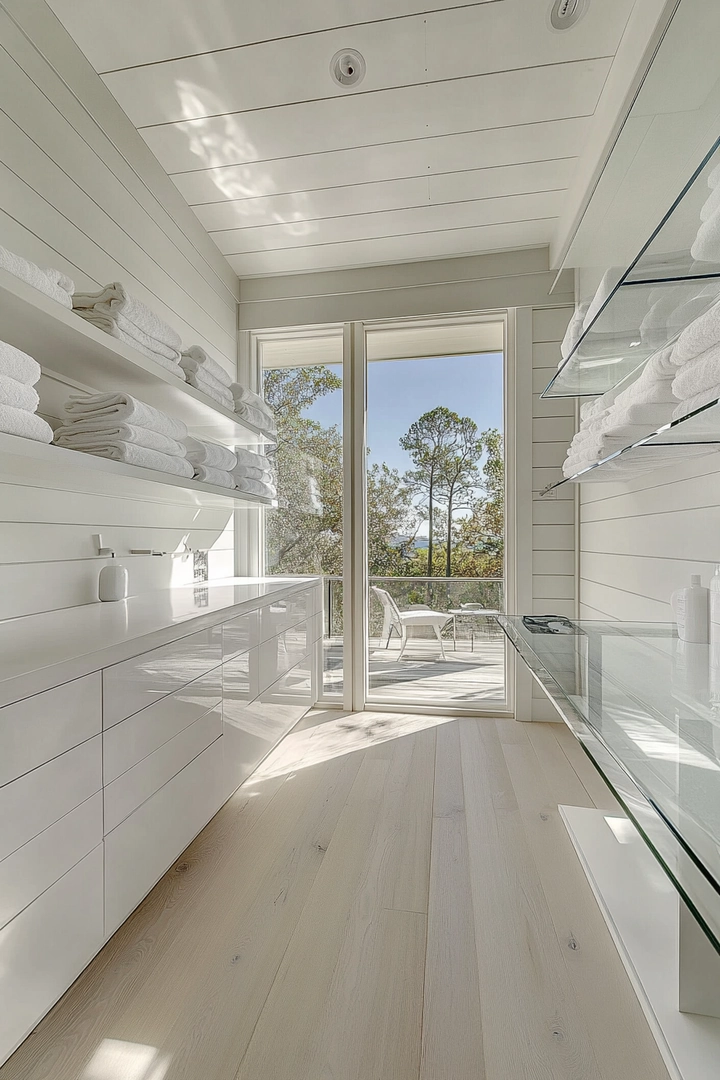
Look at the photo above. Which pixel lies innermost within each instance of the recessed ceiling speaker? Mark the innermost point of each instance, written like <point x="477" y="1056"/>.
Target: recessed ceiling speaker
<point x="347" y="67"/>
<point x="566" y="13"/>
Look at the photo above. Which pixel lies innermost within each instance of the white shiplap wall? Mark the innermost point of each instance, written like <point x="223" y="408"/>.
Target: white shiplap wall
<point x="553" y="520"/>
<point x="79" y="190"/>
<point x="642" y="540"/>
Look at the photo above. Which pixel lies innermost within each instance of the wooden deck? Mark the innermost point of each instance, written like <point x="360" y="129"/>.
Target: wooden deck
<point x="471" y="676"/>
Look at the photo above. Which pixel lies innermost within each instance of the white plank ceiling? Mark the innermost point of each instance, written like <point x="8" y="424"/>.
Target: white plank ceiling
<point x="462" y="138"/>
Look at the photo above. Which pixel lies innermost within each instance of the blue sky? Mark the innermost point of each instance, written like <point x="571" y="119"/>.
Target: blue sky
<point x="399" y="391"/>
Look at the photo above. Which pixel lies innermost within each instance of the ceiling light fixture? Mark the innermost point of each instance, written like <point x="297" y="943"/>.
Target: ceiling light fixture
<point x="566" y="13"/>
<point x="347" y="67"/>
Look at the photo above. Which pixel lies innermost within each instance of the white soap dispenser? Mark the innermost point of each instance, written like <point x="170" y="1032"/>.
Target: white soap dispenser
<point x="113" y="581"/>
<point x="692" y="612"/>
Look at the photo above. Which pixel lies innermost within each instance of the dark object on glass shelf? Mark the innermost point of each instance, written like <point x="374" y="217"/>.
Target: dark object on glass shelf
<point x="551" y="624"/>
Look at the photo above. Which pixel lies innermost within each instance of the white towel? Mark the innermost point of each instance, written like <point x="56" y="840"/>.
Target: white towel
<point x="258" y="419"/>
<point x="110" y="326"/>
<point x="627" y="307"/>
<point x="662" y="364"/>
<point x="244" y="396"/>
<point x="648" y="389"/>
<point x="18" y="395"/>
<point x="574" y="331"/>
<point x="125" y="409"/>
<point x="132" y="454"/>
<point x="252" y="459"/>
<point x="714" y="178"/>
<point x="255" y="487"/>
<point x="697" y="401"/>
<point x="15" y="364"/>
<point x="25" y="424"/>
<point x="697" y="375"/>
<point x="197" y="354"/>
<point x="214" y="389"/>
<point x="206" y="474"/>
<point x="643" y="414"/>
<point x="115" y="300"/>
<point x="46" y="281"/>
<point x="84" y="434"/>
<point x="251" y="473"/>
<point x="110" y="322"/>
<point x="706" y="246"/>
<point x="203" y="377"/>
<point x="711" y="204"/>
<point x="211" y="454"/>
<point x="699" y="336"/>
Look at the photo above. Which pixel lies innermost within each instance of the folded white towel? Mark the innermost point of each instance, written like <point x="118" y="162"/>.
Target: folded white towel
<point x="132" y="454"/>
<point x="714" y="178"/>
<point x="643" y="414"/>
<point x="220" y="477"/>
<point x="711" y="204"/>
<point x="699" y="336"/>
<point x="627" y="307"/>
<point x="255" y="487"/>
<point x="203" y="377"/>
<point x="110" y="326"/>
<point x="61" y="280"/>
<point x="115" y="300"/>
<point x="125" y="409"/>
<point x="252" y="473"/>
<point x="46" y="281"/>
<point x="648" y="388"/>
<point x="697" y="375"/>
<point x="211" y="454"/>
<point x="258" y="419"/>
<point x="116" y="320"/>
<point x="243" y="396"/>
<point x="84" y="434"/>
<point x="15" y="364"/>
<point x="662" y="364"/>
<point x="706" y="246"/>
<point x="197" y="354"/>
<point x="572" y="334"/>
<point x="252" y="459"/>
<point x="712" y="393"/>
<point x="17" y="394"/>
<point x="25" y="424"/>
<point x="214" y="390"/>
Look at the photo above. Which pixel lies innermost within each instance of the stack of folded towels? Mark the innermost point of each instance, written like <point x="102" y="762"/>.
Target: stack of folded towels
<point x="206" y="374"/>
<point x="53" y="283"/>
<point x="127" y="319"/>
<point x="574" y="331"/>
<point x="119" y="427"/>
<point x="706" y="247"/>
<point x="213" y="464"/>
<point x="696" y="356"/>
<point x="18" y="397"/>
<point x="254" y="409"/>
<point x="253" y="474"/>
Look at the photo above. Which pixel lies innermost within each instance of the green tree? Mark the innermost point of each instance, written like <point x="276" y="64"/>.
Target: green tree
<point x="459" y="476"/>
<point x="479" y="542"/>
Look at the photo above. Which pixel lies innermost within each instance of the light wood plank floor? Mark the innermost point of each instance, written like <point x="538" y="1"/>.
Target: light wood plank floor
<point x="389" y="898"/>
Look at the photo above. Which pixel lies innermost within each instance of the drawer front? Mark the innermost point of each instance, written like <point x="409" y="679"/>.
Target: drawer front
<point x="284" y="613"/>
<point x="284" y="651"/>
<point x="136" y="785"/>
<point x="127" y="743"/>
<point x="141" y="848"/>
<point x="46" y="947"/>
<point x="38" y="799"/>
<point x="137" y="683"/>
<point x="41" y="862"/>
<point x="240" y="635"/>
<point x="41" y="727"/>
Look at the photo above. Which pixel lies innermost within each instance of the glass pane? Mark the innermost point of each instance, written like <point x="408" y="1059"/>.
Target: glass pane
<point x="302" y="380"/>
<point x="435" y="515"/>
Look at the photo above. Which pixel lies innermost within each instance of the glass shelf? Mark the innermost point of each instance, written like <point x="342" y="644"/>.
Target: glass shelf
<point x="694" y="435"/>
<point x="636" y="312"/>
<point x="646" y="709"/>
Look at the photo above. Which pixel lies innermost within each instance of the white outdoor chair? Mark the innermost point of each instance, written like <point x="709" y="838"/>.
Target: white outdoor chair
<point x="401" y="621"/>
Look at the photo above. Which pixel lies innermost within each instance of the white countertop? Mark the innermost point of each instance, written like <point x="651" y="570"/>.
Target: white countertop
<point x="41" y="651"/>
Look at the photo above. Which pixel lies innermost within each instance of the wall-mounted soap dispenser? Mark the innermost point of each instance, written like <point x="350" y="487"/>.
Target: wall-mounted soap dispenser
<point x="113" y="581"/>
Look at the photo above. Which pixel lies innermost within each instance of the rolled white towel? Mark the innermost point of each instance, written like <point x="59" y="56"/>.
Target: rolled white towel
<point x="252" y="459"/>
<point x="15" y="364"/>
<point x="25" y="424"/>
<point x="114" y="300"/>
<point x="244" y="396"/>
<point x="699" y="336"/>
<point x="210" y="454"/>
<point x="19" y="395"/>
<point x="197" y="354"/>
<point x="46" y="281"/>
<point x="110" y="326"/>
<point x="712" y="393"/>
<point x="125" y="409"/>
<point x="206" y="474"/>
<point x="252" y="473"/>
<point x="85" y="434"/>
<point x="255" y="487"/>
<point x="258" y="419"/>
<point x="706" y="246"/>
<point x="697" y="375"/>
<point x="132" y="454"/>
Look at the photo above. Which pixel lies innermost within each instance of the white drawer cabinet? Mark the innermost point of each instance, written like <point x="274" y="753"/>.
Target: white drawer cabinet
<point x="137" y="683"/>
<point x="281" y="653"/>
<point x="36" y="800"/>
<point x="141" y="848"/>
<point x="41" y="862"/>
<point x="285" y="612"/>
<point x="127" y="743"/>
<point x="240" y="634"/>
<point x="130" y="790"/>
<point x="46" y="947"/>
<point x="41" y="727"/>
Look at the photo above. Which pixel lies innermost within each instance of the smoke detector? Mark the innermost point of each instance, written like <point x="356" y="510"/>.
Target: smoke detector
<point x="566" y="13"/>
<point x="347" y="67"/>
